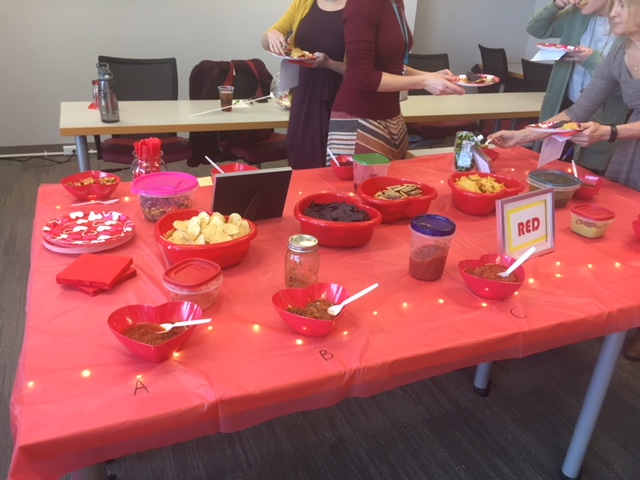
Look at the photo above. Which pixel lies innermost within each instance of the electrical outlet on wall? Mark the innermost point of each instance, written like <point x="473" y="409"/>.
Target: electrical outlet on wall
<point x="69" y="149"/>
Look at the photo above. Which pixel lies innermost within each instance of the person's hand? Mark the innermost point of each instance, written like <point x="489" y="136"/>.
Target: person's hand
<point x="593" y="133"/>
<point x="511" y="138"/>
<point x="562" y="4"/>
<point x="579" y="55"/>
<point x="322" y="60"/>
<point x="440" y="83"/>
<point x="277" y="42"/>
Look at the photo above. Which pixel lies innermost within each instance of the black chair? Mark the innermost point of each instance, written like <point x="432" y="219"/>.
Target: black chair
<point x="536" y="75"/>
<point x="143" y="79"/>
<point x="494" y="62"/>
<point x="429" y="131"/>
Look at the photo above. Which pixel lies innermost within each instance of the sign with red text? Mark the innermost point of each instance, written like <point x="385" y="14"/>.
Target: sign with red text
<point x="525" y="221"/>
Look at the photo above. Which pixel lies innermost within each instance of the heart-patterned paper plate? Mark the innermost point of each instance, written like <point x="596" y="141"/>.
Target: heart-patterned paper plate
<point x="89" y="229"/>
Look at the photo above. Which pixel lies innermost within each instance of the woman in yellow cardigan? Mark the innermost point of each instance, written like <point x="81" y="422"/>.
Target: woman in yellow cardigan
<point x="314" y="26"/>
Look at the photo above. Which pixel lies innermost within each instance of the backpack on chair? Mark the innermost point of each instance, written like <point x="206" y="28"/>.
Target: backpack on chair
<point x="250" y="79"/>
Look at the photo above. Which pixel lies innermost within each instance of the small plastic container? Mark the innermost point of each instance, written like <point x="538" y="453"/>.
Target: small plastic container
<point x="302" y="261"/>
<point x="564" y="185"/>
<point x="164" y="192"/>
<point x="430" y="239"/>
<point x="194" y="280"/>
<point x="367" y="165"/>
<point x="591" y="221"/>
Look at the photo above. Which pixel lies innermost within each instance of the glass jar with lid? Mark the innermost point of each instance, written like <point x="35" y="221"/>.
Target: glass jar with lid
<point x="302" y="261"/>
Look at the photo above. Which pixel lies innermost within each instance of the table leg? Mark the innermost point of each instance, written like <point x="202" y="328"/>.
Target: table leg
<point x="602" y="373"/>
<point x="94" y="472"/>
<point x="82" y="150"/>
<point x="481" y="382"/>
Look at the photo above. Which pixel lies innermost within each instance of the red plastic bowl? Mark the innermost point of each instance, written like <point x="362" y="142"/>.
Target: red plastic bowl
<point x="481" y="203"/>
<point x="232" y="168"/>
<point x="300" y="297"/>
<point x="94" y="191"/>
<point x="224" y="254"/>
<point x="587" y="192"/>
<point x="491" y="289"/>
<point x="337" y="234"/>
<point x="167" y="312"/>
<point x="345" y="170"/>
<point x="393" y="210"/>
<point x="636" y="227"/>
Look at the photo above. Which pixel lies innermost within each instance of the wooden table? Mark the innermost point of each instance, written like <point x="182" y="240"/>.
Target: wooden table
<point x="77" y="119"/>
<point x="74" y="402"/>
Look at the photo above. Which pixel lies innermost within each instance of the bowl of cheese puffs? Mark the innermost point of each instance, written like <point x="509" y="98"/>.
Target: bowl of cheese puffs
<point x="223" y="239"/>
<point x="475" y="193"/>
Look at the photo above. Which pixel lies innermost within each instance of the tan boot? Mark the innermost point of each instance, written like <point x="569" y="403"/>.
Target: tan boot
<point x="632" y="348"/>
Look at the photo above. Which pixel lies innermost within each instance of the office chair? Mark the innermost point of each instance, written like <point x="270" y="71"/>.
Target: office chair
<point x="143" y="79"/>
<point x="250" y="78"/>
<point x="494" y="62"/>
<point x="536" y="75"/>
<point x="429" y="131"/>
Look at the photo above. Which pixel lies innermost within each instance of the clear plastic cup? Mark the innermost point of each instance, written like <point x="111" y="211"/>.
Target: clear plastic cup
<point x="226" y="97"/>
<point x="430" y="240"/>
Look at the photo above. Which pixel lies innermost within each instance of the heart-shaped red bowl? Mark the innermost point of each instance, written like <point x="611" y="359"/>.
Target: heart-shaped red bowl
<point x="91" y="185"/>
<point x="337" y="234"/>
<point x="393" y="210"/>
<point x="345" y="170"/>
<point x="225" y="254"/>
<point x="169" y="312"/>
<point x="491" y="289"/>
<point x="299" y="298"/>
<point x="591" y="185"/>
<point x="481" y="203"/>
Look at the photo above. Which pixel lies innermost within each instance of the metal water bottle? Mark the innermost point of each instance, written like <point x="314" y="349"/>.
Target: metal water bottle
<point x="108" y="104"/>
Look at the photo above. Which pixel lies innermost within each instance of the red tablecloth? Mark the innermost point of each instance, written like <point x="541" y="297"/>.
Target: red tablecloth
<point x="75" y="401"/>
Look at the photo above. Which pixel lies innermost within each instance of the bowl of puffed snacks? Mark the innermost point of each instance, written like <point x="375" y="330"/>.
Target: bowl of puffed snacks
<point x="396" y="198"/>
<point x="222" y="239"/>
<point x="476" y="193"/>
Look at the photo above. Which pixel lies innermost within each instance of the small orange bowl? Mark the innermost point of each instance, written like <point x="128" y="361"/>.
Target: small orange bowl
<point x="345" y="170"/>
<point x="91" y="185"/>
<point x="299" y="298"/>
<point x="481" y="203"/>
<point x="170" y="312"/>
<point x="591" y="185"/>
<point x="491" y="289"/>
<point x="337" y="234"/>
<point x="393" y="210"/>
<point x="225" y="254"/>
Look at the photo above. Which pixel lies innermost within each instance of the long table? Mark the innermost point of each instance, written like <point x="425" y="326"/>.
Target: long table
<point x="75" y="402"/>
<point x="78" y="120"/>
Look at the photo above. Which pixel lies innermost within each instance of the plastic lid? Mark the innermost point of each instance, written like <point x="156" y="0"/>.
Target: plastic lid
<point x="370" y="159"/>
<point x="192" y="273"/>
<point x="303" y="243"/>
<point x="593" y="212"/>
<point x="554" y="179"/>
<point x="433" y="225"/>
<point x="164" y="184"/>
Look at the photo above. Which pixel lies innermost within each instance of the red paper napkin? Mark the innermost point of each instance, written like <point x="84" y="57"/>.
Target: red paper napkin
<point x="97" y="271"/>
<point x="93" y="291"/>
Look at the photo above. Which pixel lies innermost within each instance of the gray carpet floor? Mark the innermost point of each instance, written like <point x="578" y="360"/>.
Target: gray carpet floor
<point x="434" y="429"/>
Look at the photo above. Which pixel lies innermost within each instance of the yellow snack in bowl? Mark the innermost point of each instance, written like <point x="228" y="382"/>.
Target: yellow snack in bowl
<point x="477" y="184"/>
<point x="206" y="229"/>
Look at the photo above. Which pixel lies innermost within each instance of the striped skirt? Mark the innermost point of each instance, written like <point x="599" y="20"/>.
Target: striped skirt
<point x="349" y="135"/>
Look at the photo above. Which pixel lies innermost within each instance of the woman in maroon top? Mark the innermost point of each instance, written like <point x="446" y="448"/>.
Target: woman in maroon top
<point x="366" y="114"/>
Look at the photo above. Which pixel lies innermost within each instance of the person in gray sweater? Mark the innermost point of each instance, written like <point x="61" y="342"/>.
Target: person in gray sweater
<point x="581" y="23"/>
<point x="619" y="70"/>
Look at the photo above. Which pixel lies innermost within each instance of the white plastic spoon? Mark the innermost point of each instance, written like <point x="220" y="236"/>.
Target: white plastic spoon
<point x="214" y="165"/>
<point x="186" y="323"/>
<point x="91" y="202"/>
<point x="518" y="262"/>
<point x="336" y="309"/>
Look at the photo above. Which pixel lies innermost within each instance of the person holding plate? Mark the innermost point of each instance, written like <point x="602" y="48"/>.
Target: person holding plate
<point x="366" y="115"/>
<point x="583" y="23"/>
<point x="314" y="26"/>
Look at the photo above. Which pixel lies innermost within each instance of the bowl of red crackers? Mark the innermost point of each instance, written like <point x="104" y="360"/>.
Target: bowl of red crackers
<point x="396" y="198"/>
<point x="336" y="219"/>
<point x="91" y="185"/>
<point x="223" y="239"/>
<point x="305" y="309"/>
<point x="481" y="276"/>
